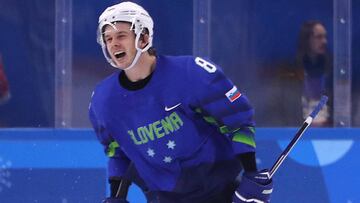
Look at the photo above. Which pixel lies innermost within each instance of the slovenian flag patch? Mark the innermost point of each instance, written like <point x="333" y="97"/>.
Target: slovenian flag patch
<point x="233" y="94"/>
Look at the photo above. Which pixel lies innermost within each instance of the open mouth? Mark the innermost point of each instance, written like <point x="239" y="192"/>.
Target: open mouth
<point x="119" y="54"/>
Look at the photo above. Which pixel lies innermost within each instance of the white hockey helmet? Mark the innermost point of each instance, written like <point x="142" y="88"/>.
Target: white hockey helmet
<point x="126" y="12"/>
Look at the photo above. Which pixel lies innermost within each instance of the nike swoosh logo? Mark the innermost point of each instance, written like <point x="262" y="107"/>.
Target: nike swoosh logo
<point x="171" y="108"/>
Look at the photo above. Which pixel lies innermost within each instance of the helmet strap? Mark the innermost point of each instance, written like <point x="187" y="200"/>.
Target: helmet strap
<point x="138" y="52"/>
<point x="136" y="58"/>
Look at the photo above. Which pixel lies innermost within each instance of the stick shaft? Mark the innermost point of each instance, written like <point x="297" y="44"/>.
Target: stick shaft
<point x="297" y="136"/>
<point x="287" y="150"/>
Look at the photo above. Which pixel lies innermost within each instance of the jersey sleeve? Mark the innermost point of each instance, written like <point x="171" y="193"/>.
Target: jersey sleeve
<point x="222" y="104"/>
<point x="118" y="162"/>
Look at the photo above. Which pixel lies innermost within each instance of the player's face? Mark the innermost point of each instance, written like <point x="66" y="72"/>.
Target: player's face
<point x="318" y="41"/>
<point x="120" y="43"/>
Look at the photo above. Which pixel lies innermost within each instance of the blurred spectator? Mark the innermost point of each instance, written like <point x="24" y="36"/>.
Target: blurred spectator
<point x="4" y="85"/>
<point x="302" y="82"/>
<point x="314" y="65"/>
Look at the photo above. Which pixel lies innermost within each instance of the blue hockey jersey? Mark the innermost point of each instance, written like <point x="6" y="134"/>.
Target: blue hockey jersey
<point x="189" y="114"/>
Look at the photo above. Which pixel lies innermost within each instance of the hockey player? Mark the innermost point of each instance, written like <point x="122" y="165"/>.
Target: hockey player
<point x="175" y="126"/>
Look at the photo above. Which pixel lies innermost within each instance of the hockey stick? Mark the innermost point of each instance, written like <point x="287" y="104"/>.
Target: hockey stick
<point x="298" y="135"/>
<point x="121" y="190"/>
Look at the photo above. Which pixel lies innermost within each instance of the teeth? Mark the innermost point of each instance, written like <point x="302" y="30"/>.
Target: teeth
<point x="118" y="52"/>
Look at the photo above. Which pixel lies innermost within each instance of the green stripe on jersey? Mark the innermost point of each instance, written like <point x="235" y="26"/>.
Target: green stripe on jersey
<point x="112" y="148"/>
<point x="238" y="137"/>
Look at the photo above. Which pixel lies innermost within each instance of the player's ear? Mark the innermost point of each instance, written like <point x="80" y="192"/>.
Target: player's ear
<point x="144" y="39"/>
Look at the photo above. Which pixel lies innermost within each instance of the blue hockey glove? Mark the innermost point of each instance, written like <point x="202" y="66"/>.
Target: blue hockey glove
<point x="255" y="187"/>
<point x="114" y="200"/>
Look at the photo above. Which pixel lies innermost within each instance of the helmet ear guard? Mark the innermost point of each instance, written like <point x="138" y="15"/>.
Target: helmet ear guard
<point x="139" y="30"/>
<point x="126" y="12"/>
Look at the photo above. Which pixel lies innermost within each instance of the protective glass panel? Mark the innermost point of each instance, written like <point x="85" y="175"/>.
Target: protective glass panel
<point x="27" y="63"/>
<point x="355" y="49"/>
<point x="270" y="52"/>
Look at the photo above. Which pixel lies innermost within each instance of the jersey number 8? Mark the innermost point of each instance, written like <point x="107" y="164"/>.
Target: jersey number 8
<point x="209" y="67"/>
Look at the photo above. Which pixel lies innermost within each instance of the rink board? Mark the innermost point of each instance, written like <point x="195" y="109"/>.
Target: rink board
<point x="68" y="165"/>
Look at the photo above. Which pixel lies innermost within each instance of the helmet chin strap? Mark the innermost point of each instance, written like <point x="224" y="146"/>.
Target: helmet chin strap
<point x="138" y="52"/>
<point x="136" y="58"/>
